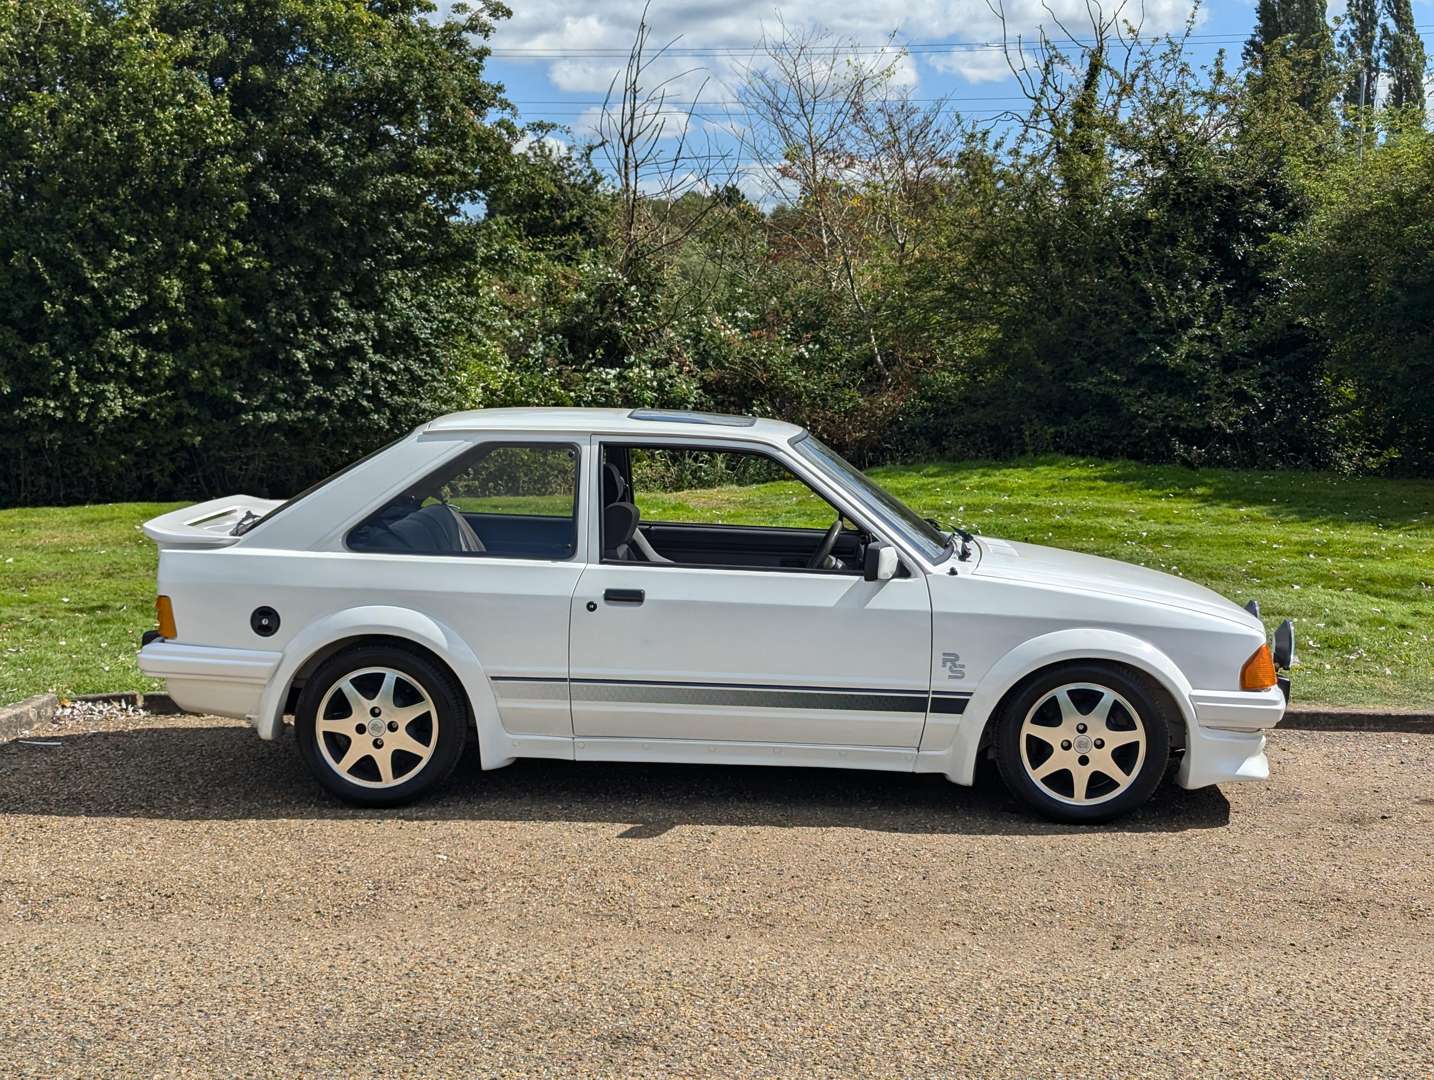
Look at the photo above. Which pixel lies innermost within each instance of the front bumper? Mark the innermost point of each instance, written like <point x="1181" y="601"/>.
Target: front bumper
<point x="1227" y="741"/>
<point x="206" y="679"/>
<point x="1238" y="710"/>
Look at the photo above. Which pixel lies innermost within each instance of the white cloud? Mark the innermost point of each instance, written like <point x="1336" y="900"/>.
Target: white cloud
<point x="554" y="145"/>
<point x="595" y="25"/>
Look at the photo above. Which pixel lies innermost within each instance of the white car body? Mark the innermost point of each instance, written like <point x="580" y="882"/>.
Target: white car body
<point x="716" y="665"/>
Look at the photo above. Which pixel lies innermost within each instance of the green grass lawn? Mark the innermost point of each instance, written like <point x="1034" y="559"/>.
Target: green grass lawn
<point x="1352" y="560"/>
<point x="76" y="591"/>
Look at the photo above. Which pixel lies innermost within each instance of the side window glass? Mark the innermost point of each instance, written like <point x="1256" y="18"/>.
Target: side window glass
<point x="513" y="500"/>
<point x="535" y="481"/>
<point x="718" y="508"/>
<point x="716" y="487"/>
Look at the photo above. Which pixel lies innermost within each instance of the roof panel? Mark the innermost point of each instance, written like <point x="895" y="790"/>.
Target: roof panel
<point x="643" y="422"/>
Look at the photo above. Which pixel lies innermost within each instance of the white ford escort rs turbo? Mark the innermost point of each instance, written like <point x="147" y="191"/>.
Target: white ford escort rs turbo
<point x="606" y="585"/>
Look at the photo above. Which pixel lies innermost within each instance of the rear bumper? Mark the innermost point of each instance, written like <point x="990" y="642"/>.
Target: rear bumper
<point x="206" y="679"/>
<point x="1227" y="741"/>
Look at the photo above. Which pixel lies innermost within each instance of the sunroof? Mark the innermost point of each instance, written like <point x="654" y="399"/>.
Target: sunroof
<point x="681" y="416"/>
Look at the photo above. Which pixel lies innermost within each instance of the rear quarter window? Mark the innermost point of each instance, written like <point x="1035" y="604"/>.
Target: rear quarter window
<point x="514" y="500"/>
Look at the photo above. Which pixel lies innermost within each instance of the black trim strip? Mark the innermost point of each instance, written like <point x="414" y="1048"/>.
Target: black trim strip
<point x="949" y="704"/>
<point x="746" y="686"/>
<point x="634" y="565"/>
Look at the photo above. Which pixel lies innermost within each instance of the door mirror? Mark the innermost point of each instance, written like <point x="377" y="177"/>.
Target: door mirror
<point x="880" y="561"/>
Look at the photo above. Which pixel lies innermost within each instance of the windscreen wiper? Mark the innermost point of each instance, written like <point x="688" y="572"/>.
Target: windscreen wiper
<point x="964" y="552"/>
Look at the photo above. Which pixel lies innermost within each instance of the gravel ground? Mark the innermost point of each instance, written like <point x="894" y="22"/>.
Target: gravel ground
<point x="178" y="897"/>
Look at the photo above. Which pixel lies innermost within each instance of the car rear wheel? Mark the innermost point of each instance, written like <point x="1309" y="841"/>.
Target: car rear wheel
<point x="380" y="726"/>
<point x="1084" y="743"/>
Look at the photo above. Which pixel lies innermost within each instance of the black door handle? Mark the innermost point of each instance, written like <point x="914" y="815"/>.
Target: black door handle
<point x="624" y="596"/>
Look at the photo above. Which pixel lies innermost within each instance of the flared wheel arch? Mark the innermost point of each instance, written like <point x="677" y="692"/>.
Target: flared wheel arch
<point x="1175" y="718"/>
<point x="358" y="641"/>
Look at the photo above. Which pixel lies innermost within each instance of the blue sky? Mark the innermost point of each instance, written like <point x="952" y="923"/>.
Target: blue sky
<point x="556" y="57"/>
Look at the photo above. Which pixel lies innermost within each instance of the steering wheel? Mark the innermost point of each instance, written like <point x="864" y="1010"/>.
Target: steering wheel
<point x="824" y="549"/>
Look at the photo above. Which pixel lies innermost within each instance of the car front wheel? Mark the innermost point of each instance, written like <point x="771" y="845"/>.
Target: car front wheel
<point x="1084" y="743"/>
<point x="380" y="726"/>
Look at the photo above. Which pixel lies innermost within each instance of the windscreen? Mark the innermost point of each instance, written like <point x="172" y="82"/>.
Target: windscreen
<point x="912" y="528"/>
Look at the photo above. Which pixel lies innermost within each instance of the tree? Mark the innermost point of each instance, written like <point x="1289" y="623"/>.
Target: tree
<point x="1364" y="276"/>
<point x="1298" y="32"/>
<point x="366" y="124"/>
<point x="119" y="191"/>
<point x="1110" y="289"/>
<point x="852" y="168"/>
<point x="1359" y="36"/>
<point x="1404" y="58"/>
<point x="657" y="156"/>
<point x="802" y="103"/>
<point x="1379" y="39"/>
<point x="551" y="197"/>
<point x="235" y="235"/>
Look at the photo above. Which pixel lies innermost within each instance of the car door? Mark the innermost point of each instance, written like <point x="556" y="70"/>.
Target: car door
<point x="764" y="653"/>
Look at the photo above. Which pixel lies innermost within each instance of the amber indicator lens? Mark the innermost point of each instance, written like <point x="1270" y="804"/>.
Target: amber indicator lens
<point x="1259" y="670"/>
<point x="165" y="610"/>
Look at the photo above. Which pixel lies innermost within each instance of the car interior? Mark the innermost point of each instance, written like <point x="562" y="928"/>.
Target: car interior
<point x="474" y="508"/>
<point x="438" y="527"/>
<point x="626" y="537"/>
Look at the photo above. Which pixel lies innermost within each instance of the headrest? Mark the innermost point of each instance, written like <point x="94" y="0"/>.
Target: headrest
<point x="614" y="487"/>
<point x="619" y="522"/>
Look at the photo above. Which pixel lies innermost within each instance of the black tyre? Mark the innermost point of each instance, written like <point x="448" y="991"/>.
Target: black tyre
<point x="380" y="726"/>
<point x="1084" y="742"/>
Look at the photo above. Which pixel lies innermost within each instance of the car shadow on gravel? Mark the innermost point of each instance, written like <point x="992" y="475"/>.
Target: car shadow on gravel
<point x="212" y="773"/>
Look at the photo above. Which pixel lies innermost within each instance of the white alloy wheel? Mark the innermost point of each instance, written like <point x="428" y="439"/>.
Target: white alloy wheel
<point x="376" y="727"/>
<point x="1082" y="744"/>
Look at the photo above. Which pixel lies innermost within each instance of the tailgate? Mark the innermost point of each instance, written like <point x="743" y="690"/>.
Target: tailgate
<point x="207" y="524"/>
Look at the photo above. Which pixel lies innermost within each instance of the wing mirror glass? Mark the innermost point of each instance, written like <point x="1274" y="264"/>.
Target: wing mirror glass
<point x="880" y="561"/>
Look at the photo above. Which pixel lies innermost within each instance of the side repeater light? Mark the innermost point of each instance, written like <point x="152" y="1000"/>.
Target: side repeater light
<point x="165" y="610"/>
<point x="1259" y="670"/>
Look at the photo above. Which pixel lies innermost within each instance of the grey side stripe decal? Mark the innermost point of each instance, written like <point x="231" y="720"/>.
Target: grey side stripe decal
<point x="759" y="696"/>
<point x="750" y="697"/>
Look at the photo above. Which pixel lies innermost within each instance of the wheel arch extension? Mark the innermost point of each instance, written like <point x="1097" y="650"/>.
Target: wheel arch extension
<point x="401" y="628"/>
<point x="333" y="648"/>
<point x="1061" y="648"/>
<point x="1175" y="717"/>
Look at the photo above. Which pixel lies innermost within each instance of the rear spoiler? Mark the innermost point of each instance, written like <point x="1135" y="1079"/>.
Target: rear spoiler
<point x="207" y="524"/>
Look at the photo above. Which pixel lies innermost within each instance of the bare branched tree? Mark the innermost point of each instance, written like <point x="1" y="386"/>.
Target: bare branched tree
<point x="845" y="161"/>
<point x="800" y="100"/>
<point x="907" y="152"/>
<point x="657" y="154"/>
<point x="1070" y="77"/>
